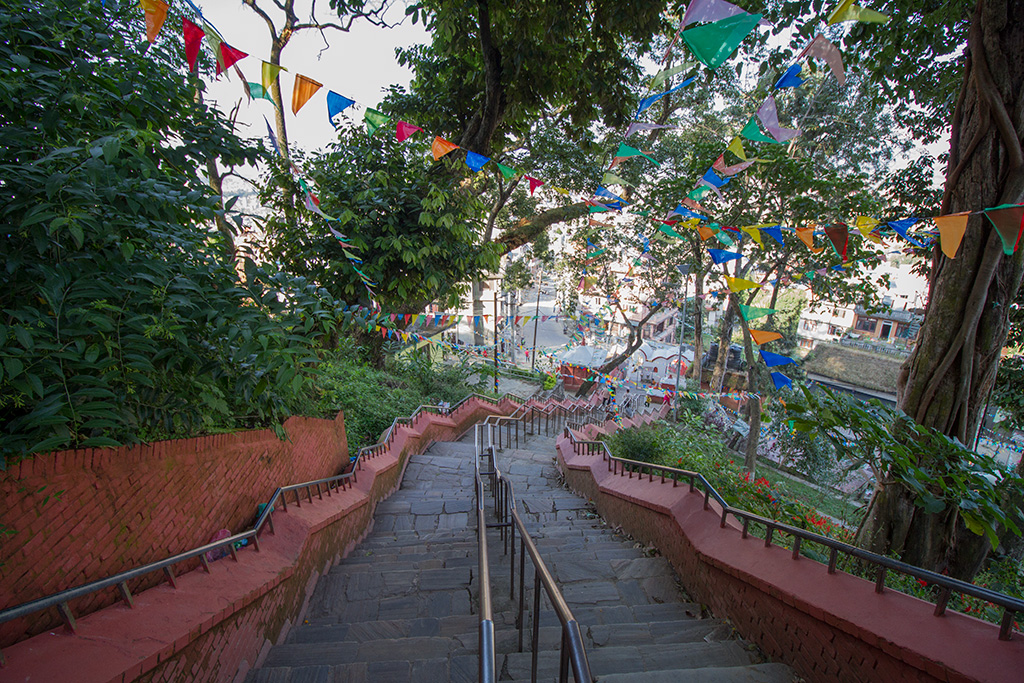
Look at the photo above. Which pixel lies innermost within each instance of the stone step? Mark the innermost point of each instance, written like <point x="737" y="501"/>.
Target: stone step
<point x="754" y="673"/>
<point x="626" y="659"/>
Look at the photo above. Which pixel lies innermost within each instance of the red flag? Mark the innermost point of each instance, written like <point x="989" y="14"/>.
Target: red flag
<point x="534" y="183"/>
<point x="193" y="39"/>
<point x="839" y="235"/>
<point x="404" y="130"/>
<point x="229" y="56"/>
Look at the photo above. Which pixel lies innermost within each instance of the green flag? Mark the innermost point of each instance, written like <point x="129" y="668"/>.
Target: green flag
<point x="612" y="179"/>
<point x="374" y="120"/>
<point x="506" y="171"/>
<point x="752" y="132"/>
<point x="627" y="151"/>
<point x="597" y="209"/>
<point x="258" y="92"/>
<point x="713" y="43"/>
<point x="750" y="312"/>
<point x="665" y="74"/>
<point x="669" y="231"/>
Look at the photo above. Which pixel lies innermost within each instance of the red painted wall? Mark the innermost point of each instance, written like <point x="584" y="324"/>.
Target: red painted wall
<point x="77" y="516"/>
<point x="827" y="627"/>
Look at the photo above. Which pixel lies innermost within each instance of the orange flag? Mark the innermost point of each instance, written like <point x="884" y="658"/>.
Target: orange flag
<point x="440" y="147"/>
<point x="951" y="231"/>
<point x="806" y="236"/>
<point x="764" y="336"/>
<point x="705" y="232"/>
<point x="156" y="13"/>
<point x="303" y="89"/>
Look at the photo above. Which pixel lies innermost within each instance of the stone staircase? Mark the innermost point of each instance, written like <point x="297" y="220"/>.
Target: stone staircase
<point x="403" y="606"/>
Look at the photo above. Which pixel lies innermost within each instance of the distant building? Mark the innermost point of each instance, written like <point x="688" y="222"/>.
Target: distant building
<point x="862" y="374"/>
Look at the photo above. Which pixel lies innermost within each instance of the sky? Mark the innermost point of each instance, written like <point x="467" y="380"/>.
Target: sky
<point x="359" y="64"/>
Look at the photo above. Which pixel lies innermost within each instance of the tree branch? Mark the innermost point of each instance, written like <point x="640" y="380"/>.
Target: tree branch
<point x="528" y="229"/>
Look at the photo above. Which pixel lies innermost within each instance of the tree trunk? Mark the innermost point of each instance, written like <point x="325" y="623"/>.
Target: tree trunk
<point x="946" y="380"/>
<point x="478" y="313"/>
<point x="698" y="327"/>
<point x="753" y="404"/>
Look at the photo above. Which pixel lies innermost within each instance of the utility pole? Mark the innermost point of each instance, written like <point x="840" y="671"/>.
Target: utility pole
<point x="536" y="317"/>
<point x="496" y="338"/>
<point x="685" y="270"/>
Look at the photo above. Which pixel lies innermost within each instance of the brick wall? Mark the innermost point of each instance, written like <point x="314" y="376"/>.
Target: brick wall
<point x="827" y="627"/>
<point x="80" y="515"/>
<point x="215" y="627"/>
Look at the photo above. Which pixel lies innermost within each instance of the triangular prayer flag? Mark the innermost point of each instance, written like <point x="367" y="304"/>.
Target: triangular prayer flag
<point x="669" y="231"/>
<point x="506" y="171"/>
<point x="847" y="11"/>
<point x="790" y="79"/>
<point x="608" y="194"/>
<point x="627" y="151"/>
<point x="720" y="256"/>
<point x="764" y="336"/>
<point x="951" y="231"/>
<point x="713" y="43"/>
<point x="697" y="193"/>
<point x="727" y="171"/>
<point x="774" y="231"/>
<point x="1008" y="220"/>
<point x="754" y="232"/>
<point x="258" y="92"/>
<point x="839" y="235"/>
<point x="374" y="120"/>
<point x="806" y="236"/>
<point x="705" y="232"/>
<point x="646" y="103"/>
<point x="751" y="312"/>
<point x="666" y="74"/>
<point x="901" y="226"/>
<point x="213" y="38"/>
<point x="612" y="179"/>
<point x="439" y="147"/>
<point x="403" y="130"/>
<point x="738" y="284"/>
<point x="228" y="57"/>
<point x="269" y="74"/>
<point x="336" y="104"/>
<point x="754" y="134"/>
<point x="821" y="47"/>
<point x="273" y="138"/>
<point x="534" y="183"/>
<point x="156" y="14"/>
<point x="710" y="10"/>
<point x="713" y="180"/>
<point x="769" y="115"/>
<point x="736" y="147"/>
<point x="302" y="90"/>
<point x="193" y="40"/>
<point x="780" y="381"/>
<point x="475" y="161"/>
<point x="774" y="359"/>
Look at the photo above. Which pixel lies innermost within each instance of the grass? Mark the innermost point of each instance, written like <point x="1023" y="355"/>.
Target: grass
<point x="831" y="503"/>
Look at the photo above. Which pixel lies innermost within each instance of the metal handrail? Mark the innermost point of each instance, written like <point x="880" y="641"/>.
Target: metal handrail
<point x="573" y="651"/>
<point x="948" y="585"/>
<point x="348" y="478"/>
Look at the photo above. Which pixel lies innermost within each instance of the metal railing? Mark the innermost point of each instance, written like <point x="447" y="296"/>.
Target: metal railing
<point x="489" y="433"/>
<point x="232" y="544"/>
<point x="882" y="564"/>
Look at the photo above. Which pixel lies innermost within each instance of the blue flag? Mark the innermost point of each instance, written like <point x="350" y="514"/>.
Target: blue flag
<point x="476" y="161"/>
<point x="772" y="359"/>
<point x="781" y="380"/>
<point x="648" y="101"/>
<point x="775" y="232"/>
<point x="791" y="78"/>
<point x="713" y="179"/>
<point x="336" y="104"/>
<point x="720" y="256"/>
<point x="901" y="227"/>
<point x="683" y="211"/>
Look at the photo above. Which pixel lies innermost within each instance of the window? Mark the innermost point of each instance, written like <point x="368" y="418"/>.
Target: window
<point x="834" y="330"/>
<point x="866" y="324"/>
<point x="810" y="325"/>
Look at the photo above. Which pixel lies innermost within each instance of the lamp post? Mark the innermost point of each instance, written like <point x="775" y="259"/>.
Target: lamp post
<point x="685" y="270"/>
<point x="536" y="315"/>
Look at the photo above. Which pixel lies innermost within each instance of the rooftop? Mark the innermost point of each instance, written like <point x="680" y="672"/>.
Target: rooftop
<point x="854" y="367"/>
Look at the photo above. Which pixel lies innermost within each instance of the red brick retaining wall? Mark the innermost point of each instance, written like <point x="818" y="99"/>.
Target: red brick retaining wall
<point x="81" y="515"/>
<point x="215" y="627"/>
<point x="827" y="627"/>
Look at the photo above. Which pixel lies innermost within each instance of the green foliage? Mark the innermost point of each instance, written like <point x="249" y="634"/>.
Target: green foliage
<point x="411" y="227"/>
<point x="816" y="459"/>
<point x="550" y="381"/>
<point x="122" y="315"/>
<point x="517" y="276"/>
<point x="1008" y="393"/>
<point x="372" y="399"/>
<point x="939" y="471"/>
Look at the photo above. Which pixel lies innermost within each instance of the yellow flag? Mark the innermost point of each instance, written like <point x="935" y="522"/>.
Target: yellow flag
<point x="738" y="284"/>
<point x="736" y="147"/>
<point x="847" y="11"/>
<point x="866" y="224"/>
<point x="270" y="72"/>
<point x="754" y="232"/>
<point x="951" y="231"/>
<point x="303" y="89"/>
<point x="560" y="190"/>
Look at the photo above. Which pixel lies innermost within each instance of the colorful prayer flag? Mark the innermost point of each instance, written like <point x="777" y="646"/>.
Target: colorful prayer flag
<point x="780" y="381"/>
<point x="806" y="236"/>
<point x="839" y="235"/>
<point x="951" y="231"/>
<point x="822" y="48"/>
<point x="736" y="147"/>
<point x="901" y="226"/>
<point x="193" y="39"/>
<point x="754" y="134"/>
<point x="269" y="73"/>
<point x="506" y="171"/>
<point x="627" y="151"/>
<point x="374" y="120"/>
<point x="774" y="359"/>
<point x="847" y="11"/>
<point x="336" y="104"/>
<point x="713" y="43"/>
<point x="302" y="90"/>
<point x="790" y="79"/>
<point x="769" y="115"/>
<point x="1008" y="220"/>
<point x="534" y="183"/>
<point x="156" y="14"/>
<point x="738" y="284"/>
<point x="475" y="161"/>
<point x="720" y="256"/>
<point x="403" y="130"/>
<point x="751" y="312"/>
<point x="764" y="336"/>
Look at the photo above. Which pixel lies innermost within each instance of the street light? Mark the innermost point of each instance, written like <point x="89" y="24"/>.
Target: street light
<point x="684" y="269"/>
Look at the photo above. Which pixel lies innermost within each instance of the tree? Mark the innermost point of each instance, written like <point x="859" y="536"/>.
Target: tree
<point x="962" y="60"/>
<point x="122" y="315"/>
